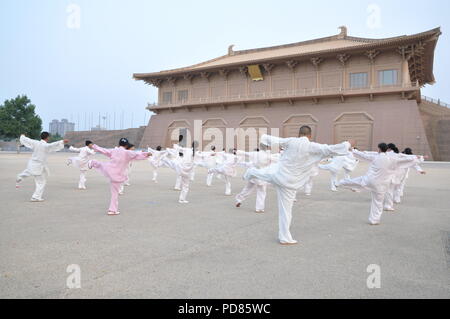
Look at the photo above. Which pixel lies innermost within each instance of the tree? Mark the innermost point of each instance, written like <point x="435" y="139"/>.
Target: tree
<point x="55" y="138"/>
<point x="17" y="116"/>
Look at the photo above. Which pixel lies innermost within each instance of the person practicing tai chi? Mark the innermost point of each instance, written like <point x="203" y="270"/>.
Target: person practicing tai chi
<point x="398" y="192"/>
<point x="227" y="169"/>
<point x="209" y="160"/>
<point x="155" y="160"/>
<point x="259" y="159"/>
<point x="292" y="172"/>
<point x="81" y="161"/>
<point x="129" y="147"/>
<point x="37" y="165"/>
<point x="393" y="193"/>
<point x="183" y="166"/>
<point x="337" y="164"/>
<point x="378" y="177"/>
<point x="115" y="169"/>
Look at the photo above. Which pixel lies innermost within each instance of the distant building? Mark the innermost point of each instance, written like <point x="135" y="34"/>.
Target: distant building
<point x="343" y="87"/>
<point x="61" y="127"/>
<point x="98" y="128"/>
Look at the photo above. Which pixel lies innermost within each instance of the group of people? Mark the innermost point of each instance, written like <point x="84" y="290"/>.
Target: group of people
<point x="289" y="171"/>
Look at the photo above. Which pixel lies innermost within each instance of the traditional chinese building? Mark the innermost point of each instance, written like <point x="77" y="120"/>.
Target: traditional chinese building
<point x="344" y="87"/>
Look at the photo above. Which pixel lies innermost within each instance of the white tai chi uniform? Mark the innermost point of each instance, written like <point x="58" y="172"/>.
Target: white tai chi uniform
<point x="394" y="190"/>
<point x="227" y="170"/>
<point x="292" y="172"/>
<point x="37" y="165"/>
<point x="81" y="162"/>
<point x="183" y="167"/>
<point x="209" y="160"/>
<point x="378" y="178"/>
<point x="127" y="181"/>
<point x="258" y="159"/>
<point x="155" y="161"/>
<point x="398" y="192"/>
<point x="336" y="164"/>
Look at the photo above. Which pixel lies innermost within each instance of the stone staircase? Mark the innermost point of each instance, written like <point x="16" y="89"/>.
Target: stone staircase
<point x="436" y="120"/>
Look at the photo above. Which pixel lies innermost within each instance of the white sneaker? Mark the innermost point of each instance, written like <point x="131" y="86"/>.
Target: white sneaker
<point x="309" y="194"/>
<point x="176" y="189"/>
<point x="36" y="199"/>
<point x="389" y="209"/>
<point x="120" y="193"/>
<point x="183" y="202"/>
<point x="113" y="213"/>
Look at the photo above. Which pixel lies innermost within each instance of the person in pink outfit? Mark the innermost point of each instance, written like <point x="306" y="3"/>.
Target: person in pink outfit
<point x="116" y="169"/>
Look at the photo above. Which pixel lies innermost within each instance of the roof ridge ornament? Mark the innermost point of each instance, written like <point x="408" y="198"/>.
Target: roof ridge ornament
<point x="230" y="49"/>
<point x="343" y="33"/>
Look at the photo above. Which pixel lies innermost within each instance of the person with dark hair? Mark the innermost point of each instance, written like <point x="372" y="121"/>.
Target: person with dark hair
<point x="37" y="165"/>
<point x="227" y="169"/>
<point x="378" y="177"/>
<point x="347" y="164"/>
<point x="292" y="172"/>
<point x="209" y="159"/>
<point x="184" y="166"/>
<point x="394" y="191"/>
<point x="81" y="161"/>
<point x="155" y="160"/>
<point x="115" y="169"/>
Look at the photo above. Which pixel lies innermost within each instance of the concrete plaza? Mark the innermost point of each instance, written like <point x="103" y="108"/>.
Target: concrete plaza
<point x="158" y="248"/>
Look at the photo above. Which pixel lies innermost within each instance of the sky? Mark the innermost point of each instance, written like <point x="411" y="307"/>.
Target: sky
<point x="75" y="59"/>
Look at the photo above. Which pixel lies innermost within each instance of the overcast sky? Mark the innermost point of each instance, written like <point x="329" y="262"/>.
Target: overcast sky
<point x="72" y="68"/>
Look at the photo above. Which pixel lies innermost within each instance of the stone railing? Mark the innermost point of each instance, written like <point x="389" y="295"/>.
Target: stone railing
<point x="287" y="94"/>
<point x="438" y="101"/>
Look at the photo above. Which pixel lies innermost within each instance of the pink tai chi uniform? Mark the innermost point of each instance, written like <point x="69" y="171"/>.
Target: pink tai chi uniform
<point x="115" y="170"/>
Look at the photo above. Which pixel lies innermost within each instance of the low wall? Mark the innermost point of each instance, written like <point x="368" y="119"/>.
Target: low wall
<point x="106" y="138"/>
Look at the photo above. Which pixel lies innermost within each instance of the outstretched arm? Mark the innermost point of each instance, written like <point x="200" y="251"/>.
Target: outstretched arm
<point x="366" y="156"/>
<point x="325" y="150"/>
<point x="270" y="140"/>
<point x="28" y="142"/>
<point x="104" y="151"/>
<point x="74" y="149"/>
<point x="138" y="155"/>
<point x="56" y="146"/>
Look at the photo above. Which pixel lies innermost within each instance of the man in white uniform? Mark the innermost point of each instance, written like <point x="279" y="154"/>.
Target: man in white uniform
<point x="37" y="165"/>
<point x="81" y="161"/>
<point x="292" y="172"/>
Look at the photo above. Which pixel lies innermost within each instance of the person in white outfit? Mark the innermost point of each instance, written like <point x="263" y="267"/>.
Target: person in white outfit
<point x="227" y="169"/>
<point x="155" y="160"/>
<point x="393" y="193"/>
<point x="183" y="165"/>
<point x="398" y="192"/>
<point x="37" y="165"/>
<point x="209" y="160"/>
<point x="378" y="177"/>
<point x="335" y="165"/>
<point x="81" y="161"/>
<point x="259" y="159"/>
<point x="292" y="172"/>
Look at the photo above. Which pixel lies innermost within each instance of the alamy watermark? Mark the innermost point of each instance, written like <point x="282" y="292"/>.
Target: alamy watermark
<point x="73" y="281"/>
<point x="374" y="279"/>
<point x="374" y="18"/>
<point x="73" y="20"/>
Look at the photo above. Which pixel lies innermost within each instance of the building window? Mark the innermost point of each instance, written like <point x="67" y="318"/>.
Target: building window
<point x="167" y="97"/>
<point x="182" y="95"/>
<point x="358" y="80"/>
<point x="388" y="77"/>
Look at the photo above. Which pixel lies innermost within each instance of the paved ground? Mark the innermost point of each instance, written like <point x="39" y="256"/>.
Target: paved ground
<point x="158" y="248"/>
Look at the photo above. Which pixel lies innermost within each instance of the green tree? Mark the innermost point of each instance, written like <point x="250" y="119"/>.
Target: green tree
<point x="55" y="138"/>
<point x="17" y="116"/>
